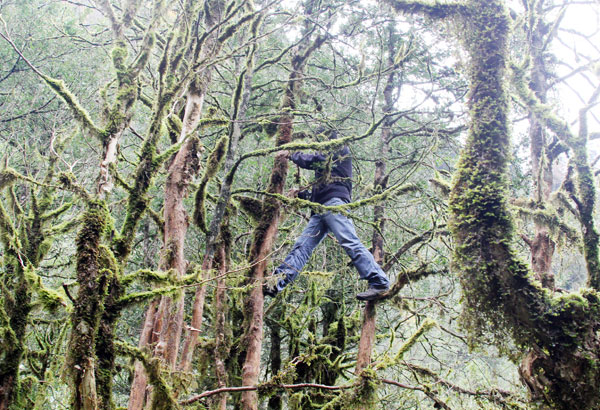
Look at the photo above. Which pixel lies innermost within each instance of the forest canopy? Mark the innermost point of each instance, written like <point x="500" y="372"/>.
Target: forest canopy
<point x="147" y="194"/>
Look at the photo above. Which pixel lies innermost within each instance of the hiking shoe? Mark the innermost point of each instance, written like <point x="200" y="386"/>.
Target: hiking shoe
<point x="372" y="293"/>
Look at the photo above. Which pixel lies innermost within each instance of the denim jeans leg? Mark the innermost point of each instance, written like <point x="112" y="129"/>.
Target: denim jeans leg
<point x="363" y="260"/>
<point x="312" y="235"/>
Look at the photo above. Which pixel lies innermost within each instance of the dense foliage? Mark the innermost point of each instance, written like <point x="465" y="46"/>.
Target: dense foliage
<point x="146" y="196"/>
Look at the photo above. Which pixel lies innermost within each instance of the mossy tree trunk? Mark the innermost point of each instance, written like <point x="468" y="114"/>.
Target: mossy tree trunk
<point x="167" y="319"/>
<point x="368" y="330"/>
<point x="391" y="93"/>
<point x="501" y="295"/>
<point x="222" y="330"/>
<point x="185" y="165"/>
<point x="276" y="400"/>
<point x="541" y="246"/>
<point x="93" y="281"/>
<point x="494" y="279"/>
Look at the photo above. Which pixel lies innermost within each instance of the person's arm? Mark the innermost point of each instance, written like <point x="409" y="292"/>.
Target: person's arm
<point x="308" y="161"/>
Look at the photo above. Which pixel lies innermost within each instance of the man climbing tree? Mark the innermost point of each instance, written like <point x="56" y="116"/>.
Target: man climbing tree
<point x="332" y="187"/>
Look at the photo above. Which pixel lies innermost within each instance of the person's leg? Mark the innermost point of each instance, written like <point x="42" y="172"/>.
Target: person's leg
<point x="363" y="260"/>
<point x="312" y="235"/>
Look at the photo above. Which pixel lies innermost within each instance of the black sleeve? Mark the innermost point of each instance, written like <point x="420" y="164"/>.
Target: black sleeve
<point x="308" y="161"/>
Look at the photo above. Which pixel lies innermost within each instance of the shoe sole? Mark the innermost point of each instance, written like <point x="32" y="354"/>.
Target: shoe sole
<point x="370" y="298"/>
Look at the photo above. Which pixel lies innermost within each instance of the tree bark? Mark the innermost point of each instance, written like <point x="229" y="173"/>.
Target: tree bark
<point x="275" y="401"/>
<point x="262" y="242"/>
<point x="240" y="107"/>
<point x="168" y="322"/>
<point x="367" y="337"/>
<point x="266" y="229"/>
<point x="88" y="308"/>
<point x="137" y="395"/>
<point x="542" y="246"/>
<point x="221" y="328"/>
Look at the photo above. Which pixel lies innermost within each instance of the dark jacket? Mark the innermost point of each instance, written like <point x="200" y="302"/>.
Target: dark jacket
<point x="333" y="174"/>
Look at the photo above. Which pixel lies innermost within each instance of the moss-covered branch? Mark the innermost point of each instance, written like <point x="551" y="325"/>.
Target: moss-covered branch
<point x="163" y="397"/>
<point x="585" y="180"/>
<point x="50" y="299"/>
<point x="427" y="325"/>
<point x="7" y="177"/>
<point x="543" y="113"/>
<point x="397" y="189"/>
<point x="550" y="219"/>
<point x="213" y="163"/>
<point x="69" y="182"/>
<point x="329" y="145"/>
<point x="79" y="113"/>
<point x="138" y="297"/>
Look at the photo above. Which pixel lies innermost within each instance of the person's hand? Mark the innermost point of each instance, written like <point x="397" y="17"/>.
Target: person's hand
<point x="304" y="194"/>
<point x="284" y="153"/>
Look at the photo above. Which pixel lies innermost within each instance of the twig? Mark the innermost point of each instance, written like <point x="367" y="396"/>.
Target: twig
<point x="250" y="388"/>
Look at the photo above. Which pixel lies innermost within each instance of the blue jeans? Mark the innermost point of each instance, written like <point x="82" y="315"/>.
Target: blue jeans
<point x="343" y="229"/>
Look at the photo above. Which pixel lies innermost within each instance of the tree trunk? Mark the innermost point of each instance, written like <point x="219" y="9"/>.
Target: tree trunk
<point x="367" y="337"/>
<point x="240" y="106"/>
<point x="221" y="328"/>
<point x="262" y="242"/>
<point x="275" y="401"/>
<point x="137" y="395"/>
<point x="542" y="246"/>
<point x="168" y="323"/>
<point x="17" y="312"/>
<point x="81" y="363"/>
<point x="266" y="229"/>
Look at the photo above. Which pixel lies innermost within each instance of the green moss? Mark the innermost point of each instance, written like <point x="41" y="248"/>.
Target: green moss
<point x="139" y="297"/>
<point x="174" y="125"/>
<point x="80" y="114"/>
<point x="215" y="159"/>
<point x="147" y="276"/>
<point x="119" y="57"/>
<point x="394" y="190"/>
<point x="550" y="219"/>
<point x="427" y="325"/>
<point x="88" y="308"/>
<point x="213" y="122"/>
<point x="69" y="181"/>
<point x="7" y="177"/>
<point x="162" y="395"/>
<point x="48" y="298"/>
<point x="251" y="206"/>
